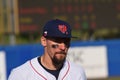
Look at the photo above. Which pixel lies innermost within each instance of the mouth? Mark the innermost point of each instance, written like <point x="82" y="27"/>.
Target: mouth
<point x="61" y="53"/>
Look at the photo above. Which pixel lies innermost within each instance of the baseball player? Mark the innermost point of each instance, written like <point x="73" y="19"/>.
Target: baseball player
<point x="52" y="65"/>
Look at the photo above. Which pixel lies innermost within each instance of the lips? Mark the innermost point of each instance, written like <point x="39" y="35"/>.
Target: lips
<point x="61" y="53"/>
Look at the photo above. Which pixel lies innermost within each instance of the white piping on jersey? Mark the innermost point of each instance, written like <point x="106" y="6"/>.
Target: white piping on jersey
<point x="67" y="71"/>
<point x="37" y="71"/>
<point x="46" y="78"/>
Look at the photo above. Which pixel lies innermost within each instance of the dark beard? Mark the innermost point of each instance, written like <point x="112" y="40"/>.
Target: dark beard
<point x="57" y="62"/>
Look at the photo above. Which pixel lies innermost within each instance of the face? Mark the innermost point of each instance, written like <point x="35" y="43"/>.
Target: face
<point x="57" y="49"/>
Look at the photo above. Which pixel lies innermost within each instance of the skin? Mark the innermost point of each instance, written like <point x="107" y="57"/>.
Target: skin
<point x="53" y="58"/>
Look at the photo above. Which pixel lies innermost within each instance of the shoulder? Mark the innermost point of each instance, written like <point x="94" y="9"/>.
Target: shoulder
<point x="75" y="66"/>
<point x="77" y="70"/>
<point x="25" y="66"/>
<point x="18" y="71"/>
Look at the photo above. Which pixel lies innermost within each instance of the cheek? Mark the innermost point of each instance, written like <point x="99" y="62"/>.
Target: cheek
<point x="50" y="51"/>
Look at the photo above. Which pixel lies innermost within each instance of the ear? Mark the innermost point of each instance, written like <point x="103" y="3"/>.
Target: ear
<point x="43" y="41"/>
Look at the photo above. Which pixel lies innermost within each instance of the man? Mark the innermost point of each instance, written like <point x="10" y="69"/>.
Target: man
<point x="52" y="65"/>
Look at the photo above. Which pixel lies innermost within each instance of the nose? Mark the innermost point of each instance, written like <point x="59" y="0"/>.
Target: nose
<point x="62" y="46"/>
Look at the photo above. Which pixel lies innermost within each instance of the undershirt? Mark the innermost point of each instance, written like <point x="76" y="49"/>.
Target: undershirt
<point x="53" y="72"/>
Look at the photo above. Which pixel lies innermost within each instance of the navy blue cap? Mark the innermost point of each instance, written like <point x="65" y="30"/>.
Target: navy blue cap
<point x="57" y="28"/>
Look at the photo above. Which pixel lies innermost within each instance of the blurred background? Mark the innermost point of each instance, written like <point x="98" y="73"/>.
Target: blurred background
<point x="94" y="22"/>
<point x="21" y="21"/>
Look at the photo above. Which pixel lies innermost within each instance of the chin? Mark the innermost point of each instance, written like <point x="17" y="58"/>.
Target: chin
<point x="59" y="60"/>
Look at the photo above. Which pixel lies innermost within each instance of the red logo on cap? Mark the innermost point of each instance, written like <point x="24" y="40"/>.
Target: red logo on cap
<point x="62" y="28"/>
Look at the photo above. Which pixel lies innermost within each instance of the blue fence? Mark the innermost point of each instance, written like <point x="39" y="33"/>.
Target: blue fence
<point x="18" y="54"/>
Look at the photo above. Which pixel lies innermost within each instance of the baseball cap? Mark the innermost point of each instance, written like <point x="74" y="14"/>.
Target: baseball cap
<point x="57" y="28"/>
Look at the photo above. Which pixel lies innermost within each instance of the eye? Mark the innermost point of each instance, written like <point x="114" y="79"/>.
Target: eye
<point x="66" y="41"/>
<point x="55" y="46"/>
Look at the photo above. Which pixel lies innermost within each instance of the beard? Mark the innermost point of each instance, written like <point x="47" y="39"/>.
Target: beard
<point x="57" y="61"/>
